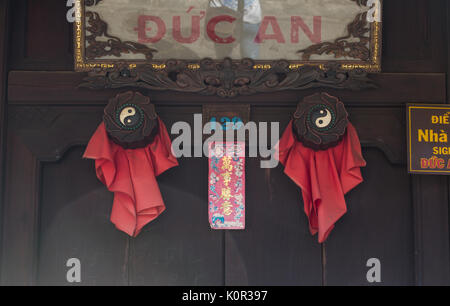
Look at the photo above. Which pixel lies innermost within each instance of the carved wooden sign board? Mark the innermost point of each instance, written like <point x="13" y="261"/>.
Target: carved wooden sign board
<point x="228" y="47"/>
<point x="428" y="139"/>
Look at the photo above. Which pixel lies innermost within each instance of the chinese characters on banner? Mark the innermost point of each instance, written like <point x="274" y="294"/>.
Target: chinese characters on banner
<point x="227" y="185"/>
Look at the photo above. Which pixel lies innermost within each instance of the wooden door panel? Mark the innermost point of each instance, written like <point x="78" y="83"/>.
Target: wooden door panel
<point x="179" y="248"/>
<point x="356" y="235"/>
<point x="63" y="210"/>
<point x="176" y="249"/>
<point x="74" y="223"/>
<point x="379" y="224"/>
<point x="19" y="214"/>
<point x="41" y="36"/>
<point x="414" y="38"/>
<point x="276" y="247"/>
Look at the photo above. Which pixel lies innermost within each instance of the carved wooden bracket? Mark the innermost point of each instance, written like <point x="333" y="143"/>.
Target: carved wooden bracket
<point x="228" y="79"/>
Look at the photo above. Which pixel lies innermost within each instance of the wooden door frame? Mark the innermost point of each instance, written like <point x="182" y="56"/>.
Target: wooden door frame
<point x="4" y="44"/>
<point x="20" y="200"/>
<point x="21" y="211"/>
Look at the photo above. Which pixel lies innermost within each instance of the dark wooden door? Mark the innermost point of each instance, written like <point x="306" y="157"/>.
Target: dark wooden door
<point x="54" y="208"/>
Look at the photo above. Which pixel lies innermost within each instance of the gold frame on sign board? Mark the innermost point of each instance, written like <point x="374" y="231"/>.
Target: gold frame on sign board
<point x="247" y="72"/>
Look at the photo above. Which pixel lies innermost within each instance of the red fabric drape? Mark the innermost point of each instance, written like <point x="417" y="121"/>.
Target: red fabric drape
<point x="131" y="175"/>
<point x="323" y="176"/>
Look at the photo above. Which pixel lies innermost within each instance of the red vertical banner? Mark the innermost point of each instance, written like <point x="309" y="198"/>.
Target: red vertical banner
<point x="227" y="185"/>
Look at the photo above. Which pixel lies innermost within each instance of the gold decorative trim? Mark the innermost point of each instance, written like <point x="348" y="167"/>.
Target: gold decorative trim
<point x="81" y="64"/>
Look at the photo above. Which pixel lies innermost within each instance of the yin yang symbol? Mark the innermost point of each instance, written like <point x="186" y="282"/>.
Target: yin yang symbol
<point x="130" y="117"/>
<point x="321" y="118"/>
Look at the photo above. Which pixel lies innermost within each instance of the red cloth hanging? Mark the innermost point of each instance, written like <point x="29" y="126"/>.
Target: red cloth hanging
<point x="131" y="175"/>
<point x="324" y="177"/>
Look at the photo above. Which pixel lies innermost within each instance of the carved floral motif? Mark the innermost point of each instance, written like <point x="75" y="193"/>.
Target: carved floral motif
<point x="228" y="79"/>
<point x="346" y="46"/>
<point x="96" y="48"/>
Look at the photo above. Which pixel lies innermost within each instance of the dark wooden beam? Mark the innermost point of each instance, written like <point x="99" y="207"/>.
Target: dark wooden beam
<point x="61" y="88"/>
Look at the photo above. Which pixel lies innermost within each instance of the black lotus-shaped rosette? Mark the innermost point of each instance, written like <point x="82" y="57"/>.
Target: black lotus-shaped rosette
<point x="131" y="120"/>
<point x="320" y="121"/>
